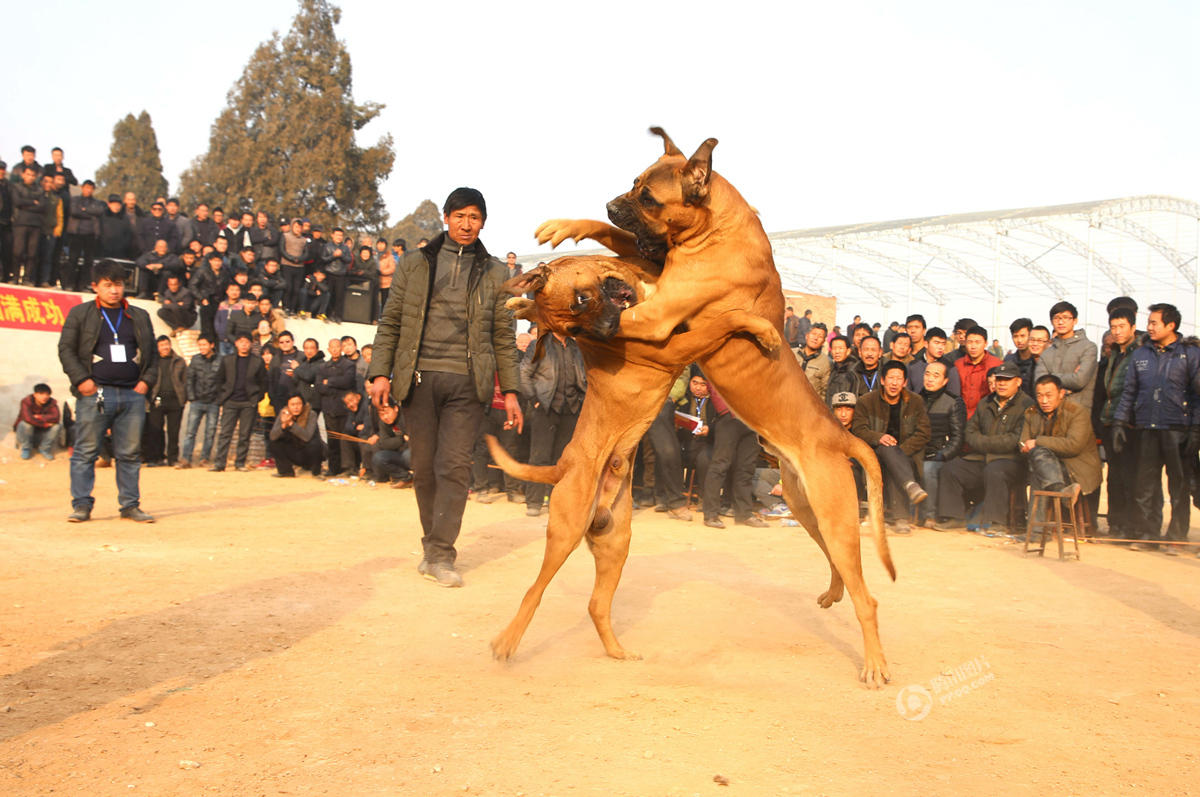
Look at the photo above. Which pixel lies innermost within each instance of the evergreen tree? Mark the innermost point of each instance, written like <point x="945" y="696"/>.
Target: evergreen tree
<point x="424" y="222"/>
<point x="133" y="162"/>
<point x="285" y="142"/>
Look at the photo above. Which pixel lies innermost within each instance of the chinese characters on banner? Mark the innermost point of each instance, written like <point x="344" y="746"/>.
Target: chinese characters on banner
<point x="24" y="308"/>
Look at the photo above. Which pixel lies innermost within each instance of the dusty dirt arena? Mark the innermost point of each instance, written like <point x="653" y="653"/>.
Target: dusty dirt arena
<point x="276" y="634"/>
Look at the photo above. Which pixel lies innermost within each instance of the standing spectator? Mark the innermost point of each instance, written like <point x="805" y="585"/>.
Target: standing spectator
<point x="116" y="238"/>
<point x="292" y="255"/>
<point x="668" y="454"/>
<point x="1058" y="442"/>
<point x="38" y="423"/>
<point x="959" y="343"/>
<point x="107" y="351"/>
<point x="893" y="421"/>
<point x="1161" y="399"/>
<point x="334" y="377"/>
<point x="157" y="227"/>
<point x="867" y="372"/>
<point x="364" y="273"/>
<point x="264" y="236"/>
<point x="56" y="168"/>
<point x="184" y="231"/>
<point x="973" y="367"/>
<point x="996" y="350"/>
<point x="1123" y="520"/>
<point x="272" y="282"/>
<point x="914" y="325"/>
<point x="243" y="383"/>
<point x="335" y="259"/>
<point x="178" y="306"/>
<point x="735" y="450"/>
<point x="791" y="325"/>
<point x="6" y="218"/>
<point x="225" y="311"/>
<point x="1021" y="355"/>
<point x="695" y="440"/>
<point x="203" y="399"/>
<point x="947" y="431"/>
<point x="812" y="358"/>
<point x="899" y="348"/>
<point x="842" y="376"/>
<point x="28" y="164"/>
<point x="294" y="439"/>
<point x="204" y="228"/>
<point x="1071" y="356"/>
<point x="29" y="209"/>
<point x="52" y="230"/>
<point x="243" y="320"/>
<point x="208" y="284"/>
<point x="444" y="334"/>
<point x="166" y="400"/>
<point x="933" y="349"/>
<point x="387" y="267"/>
<point x="83" y="237"/>
<point x="133" y="215"/>
<point x="555" y="386"/>
<point x="992" y="466"/>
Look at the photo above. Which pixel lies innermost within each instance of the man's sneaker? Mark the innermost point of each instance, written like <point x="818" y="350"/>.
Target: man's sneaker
<point x="516" y="498"/>
<point x="26" y="453"/>
<point x="680" y="513"/>
<point x="754" y="522"/>
<point x="80" y="515"/>
<point x="182" y="464"/>
<point x="1144" y="546"/>
<point x="136" y="514"/>
<point x="714" y="522"/>
<point x="779" y="510"/>
<point x="1171" y="550"/>
<point x="915" y="493"/>
<point x="534" y="511"/>
<point x="662" y="508"/>
<point x="441" y="572"/>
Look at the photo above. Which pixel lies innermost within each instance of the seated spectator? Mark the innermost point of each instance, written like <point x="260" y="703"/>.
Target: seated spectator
<point x="992" y="466"/>
<point x="272" y="281"/>
<point x="1021" y="355"/>
<point x="959" y="340"/>
<point x="1058" y="442"/>
<point x="947" y="431"/>
<point x="893" y="421"/>
<point x="262" y="342"/>
<point x="38" y="423"/>
<point x="842" y="376"/>
<point x="357" y="424"/>
<point x="389" y="457"/>
<point x="813" y="362"/>
<point x="933" y="350"/>
<point x="152" y="265"/>
<point x="243" y="321"/>
<point x="293" y="439"/>
<point x="178" y="306"/>
<point x="973" y="368"/>
<point x="271" y="314"/>
<point x="318" y="296"/>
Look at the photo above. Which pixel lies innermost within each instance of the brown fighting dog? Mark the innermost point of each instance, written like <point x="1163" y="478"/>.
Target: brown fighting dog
<point x="627" y="383"/>
<point x="715" y="258"/>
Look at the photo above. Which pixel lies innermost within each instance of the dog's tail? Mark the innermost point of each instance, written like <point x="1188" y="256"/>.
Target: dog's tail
<point x="543" y="474"/>
<point x="870" y="465"/>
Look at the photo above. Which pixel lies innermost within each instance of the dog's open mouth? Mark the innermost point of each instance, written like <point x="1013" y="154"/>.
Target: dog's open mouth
<point x="620" y="294"/>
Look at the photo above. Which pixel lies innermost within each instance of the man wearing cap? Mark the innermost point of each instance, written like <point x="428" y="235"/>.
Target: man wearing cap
<point x="843" y="404"/>
<point x="993" y="465"/>
<point x="442" y="340"/>
<point x="893" y="421"/>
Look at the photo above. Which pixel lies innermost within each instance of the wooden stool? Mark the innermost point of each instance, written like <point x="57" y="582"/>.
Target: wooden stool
<point x="1049" y="503"/>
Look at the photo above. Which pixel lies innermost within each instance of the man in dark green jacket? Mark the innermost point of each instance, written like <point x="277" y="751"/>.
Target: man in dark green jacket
<point x="444" y="337"/>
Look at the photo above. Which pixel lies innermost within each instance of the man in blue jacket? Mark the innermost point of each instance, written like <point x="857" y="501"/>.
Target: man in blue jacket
<point x="1161" y="399"/>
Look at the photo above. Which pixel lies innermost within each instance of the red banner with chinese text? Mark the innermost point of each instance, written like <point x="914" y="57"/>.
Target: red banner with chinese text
<point x="26" y="308"/>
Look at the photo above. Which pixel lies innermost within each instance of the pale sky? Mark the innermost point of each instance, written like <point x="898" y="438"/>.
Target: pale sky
<point x="827" y="113"/>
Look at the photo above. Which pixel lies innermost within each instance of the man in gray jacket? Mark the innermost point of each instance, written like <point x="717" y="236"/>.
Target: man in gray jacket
<point x="554" y="385"/>
<point x="1070" y="356"/>
<point x="443" y="339"/>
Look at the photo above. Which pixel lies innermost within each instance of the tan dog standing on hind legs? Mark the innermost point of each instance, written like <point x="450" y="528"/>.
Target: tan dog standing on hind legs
<point x="716" y="257"/>
<point x="627" y="383"/>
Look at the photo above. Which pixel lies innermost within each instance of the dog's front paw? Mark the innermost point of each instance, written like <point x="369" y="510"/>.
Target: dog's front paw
<point x="555" y="231"/>
<point x="875" y="672"/>
<point x="503" y="648"/>
<point x="770" y="339"/>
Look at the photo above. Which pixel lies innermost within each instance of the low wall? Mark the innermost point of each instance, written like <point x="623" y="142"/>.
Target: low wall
<point x="31" y="323"/>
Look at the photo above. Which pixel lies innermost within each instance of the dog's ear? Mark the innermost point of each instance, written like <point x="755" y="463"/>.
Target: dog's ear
<point x="531" y="281"/>
<point x="669" y="147"/>
<point x="697" y="172"/>
<point x="522" y="308"/>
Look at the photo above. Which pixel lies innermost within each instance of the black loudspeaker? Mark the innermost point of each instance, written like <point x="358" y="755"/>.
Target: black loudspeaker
<point x="358" y="304"/>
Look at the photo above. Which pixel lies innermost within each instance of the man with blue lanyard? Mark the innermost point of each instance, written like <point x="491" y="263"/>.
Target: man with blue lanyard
<point x="867" y="370"/>
<point x="108" y="352"/>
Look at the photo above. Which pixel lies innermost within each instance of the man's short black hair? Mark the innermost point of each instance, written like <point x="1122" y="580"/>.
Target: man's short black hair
<point x="870" y="337"/>
<point x="245" y="335"/>
<point x="29" y="148"/>
<point x="1123" y="311"/>
<point x="400" y="242"/>
<point x="218" y="209"/>
<point x="108" y="269"/>
<point x="842" y="338"/>
<point x="935" y="332"/>
<point x="819" y="325"/>
<point x="1170" y="314"/>
<point x="1063" y="307"/>
<point x="204" y="336"/>
<point x="215" y="255"/>
<point x="286" y="332"/>
<point x="915" y="317"/>
<point x="379" y="241"/>
<point x="1122" y="301"/>
<point x="1039" y="328"/>
<point x="41" y="387"/>
<point x="349" y="338"/>
<point x="173" y="200"/>
<point x="977" y="330"/>
<point x="161" y="338"/>
<point x="894" y="365"/>
<point x="88" y="182"/>
<point x="56" y="149"/>
<point x="1019" y="324"/>
<point x="904" y="335"/>
<point x="463" y="198"/>
<point x="1049" y="379"/>
<point x="965" y="323"/>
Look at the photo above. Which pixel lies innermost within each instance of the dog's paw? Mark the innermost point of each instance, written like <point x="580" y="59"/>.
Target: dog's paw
<point x="502" y="648"/>
<point x="555" y="231"/>
<point x="770" y="339"/>
<point x="830" y="596"/>
<point x="624" y="655"/>
<point x="875" y="673"/>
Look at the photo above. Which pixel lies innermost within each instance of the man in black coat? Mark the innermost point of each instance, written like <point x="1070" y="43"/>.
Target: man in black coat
<point x="244" y="381"/>
<point x="334" y="377"/>
<point x="116" y="236"/>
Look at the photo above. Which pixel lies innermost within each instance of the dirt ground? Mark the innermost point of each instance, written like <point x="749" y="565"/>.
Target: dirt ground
<point x="275" y="633"/>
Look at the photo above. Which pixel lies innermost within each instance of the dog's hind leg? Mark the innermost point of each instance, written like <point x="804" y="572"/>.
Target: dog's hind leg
<point x="609" y="539"/>
<point x="797" y="501"/>
<point x="576" y="490"/>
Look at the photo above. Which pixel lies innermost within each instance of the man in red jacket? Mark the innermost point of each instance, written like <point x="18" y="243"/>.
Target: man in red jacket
<point x="973" y="367"/>
<point x="37" y="423"/>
